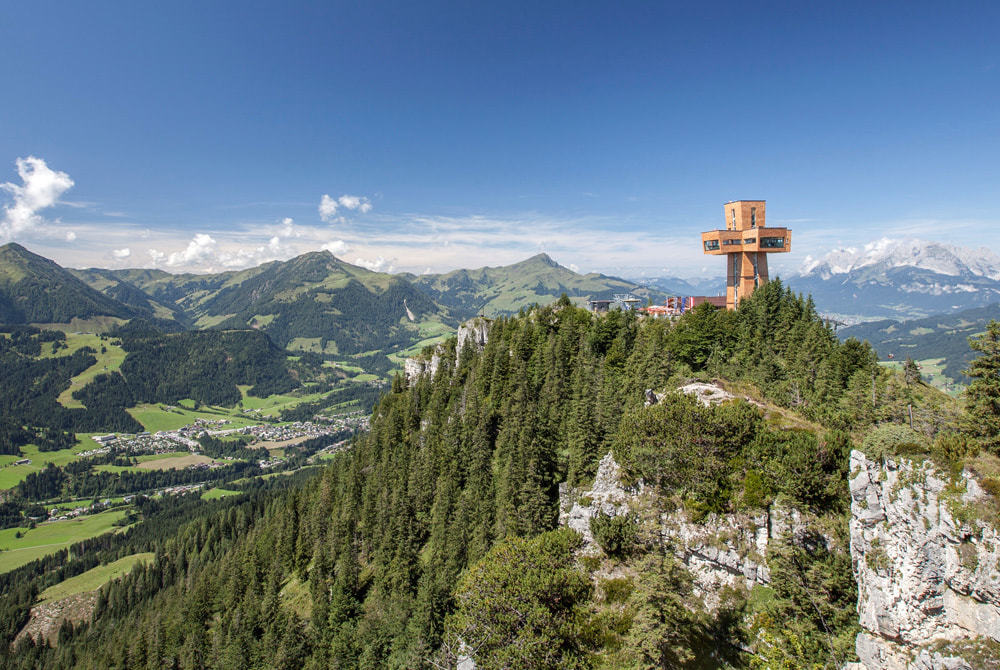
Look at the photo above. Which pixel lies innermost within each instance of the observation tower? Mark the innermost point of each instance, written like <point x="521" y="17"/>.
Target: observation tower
<point x="745" y="242"/>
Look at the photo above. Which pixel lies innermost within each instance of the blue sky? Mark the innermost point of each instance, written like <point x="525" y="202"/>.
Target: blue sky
<point x="464" y="134"/>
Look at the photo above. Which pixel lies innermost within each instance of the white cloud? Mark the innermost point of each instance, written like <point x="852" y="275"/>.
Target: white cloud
<point x="40" y="189"/>
<point x="328" y="206"/>
<point x="336" y="247"/>
<point x="287" y="228"/>
<point x="378" y="265"/>
<point x="156" y="256"/>
<point x="121" y="253"/>
<point x="70" y="236"/>
<point x="200" y="249"/>
<point x="359" y="203"/>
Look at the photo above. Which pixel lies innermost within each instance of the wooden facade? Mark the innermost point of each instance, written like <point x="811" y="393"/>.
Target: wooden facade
<point x="746" y="241"/>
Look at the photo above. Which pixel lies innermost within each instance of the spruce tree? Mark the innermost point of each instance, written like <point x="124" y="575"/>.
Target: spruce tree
<point x="982" y="398"/>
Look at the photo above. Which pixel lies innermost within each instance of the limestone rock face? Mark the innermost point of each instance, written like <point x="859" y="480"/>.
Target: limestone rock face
<point x="722" y="550"/>
<point x="415" y="367"/>
<point x="475" y="332"/>
<point x="719" y="551"/>
<point x="927" y="571"/>
<point x="606" y="496"/>
<point x="707" y="394"/>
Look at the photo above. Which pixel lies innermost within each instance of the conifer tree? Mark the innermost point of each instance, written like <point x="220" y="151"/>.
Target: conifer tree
<point x="982" y="398"/>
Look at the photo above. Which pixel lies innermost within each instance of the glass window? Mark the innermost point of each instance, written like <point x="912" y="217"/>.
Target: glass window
<point x="711" y="245"/>
<point x="772" y="242"/>
<point x="753" y="217"/>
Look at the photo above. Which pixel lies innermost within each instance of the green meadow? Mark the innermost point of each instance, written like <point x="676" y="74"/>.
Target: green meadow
<point x="11" y="475"/>
<point x="48" y="538"/>
<point x="110" y="360"/>
<point x="216" y="493"/>
<point x="95" y="578"/>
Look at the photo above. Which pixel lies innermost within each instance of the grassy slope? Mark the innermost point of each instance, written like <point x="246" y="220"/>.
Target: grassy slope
<point x="156" y="418"/>
<point x="108" y="361"/>
<point x="216" y="493"/>
<point x="174" y="462"/>
<point x="48" y="538"/>
<point x="11" y="474"/>
<point x="95" y="578"/>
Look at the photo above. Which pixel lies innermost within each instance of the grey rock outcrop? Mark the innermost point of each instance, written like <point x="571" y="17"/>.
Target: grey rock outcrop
<point x="475" y="332"/>
<point x="606" y="496"/>
<point x="707" y="394"/>
<point x="927" y="570"/>
<point x="722" y="550"/>
<point x="719" y="551"/>
<point x="421" y="365"/>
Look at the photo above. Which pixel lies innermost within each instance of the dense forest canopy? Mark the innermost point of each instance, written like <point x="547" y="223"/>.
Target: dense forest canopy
<point x="206" y="366"/>
<point x="383" y="559"/>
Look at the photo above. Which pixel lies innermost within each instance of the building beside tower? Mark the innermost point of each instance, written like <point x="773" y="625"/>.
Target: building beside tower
<point x="746" y="242"/>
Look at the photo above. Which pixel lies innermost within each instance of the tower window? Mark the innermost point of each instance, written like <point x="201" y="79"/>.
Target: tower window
<point x="753" y="217"/>
<point x="734" y="220"/>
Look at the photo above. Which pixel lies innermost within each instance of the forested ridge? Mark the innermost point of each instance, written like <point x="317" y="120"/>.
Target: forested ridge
<point x="206" y="366"/>
<point x="415" y="545"/>
<point x="34" y="289"/>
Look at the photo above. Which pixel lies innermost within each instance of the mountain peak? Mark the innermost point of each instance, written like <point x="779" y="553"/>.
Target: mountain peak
<point x="540" y="259"/>
<point x="13" y="249"/>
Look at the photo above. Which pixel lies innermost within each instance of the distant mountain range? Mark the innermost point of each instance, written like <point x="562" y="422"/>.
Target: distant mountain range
<point x="895" y="279"/>
<point x="887" y="254"/>
<point x="676" y="286"/>
<point x="506" y="289"/>
<point x="320" y="303"/>
<point x="900" y="279"/>
<point x="313" y="302"/>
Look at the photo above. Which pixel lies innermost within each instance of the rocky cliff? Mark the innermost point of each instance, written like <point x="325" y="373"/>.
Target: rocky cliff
<point x="474" y="332"/>
<point x="925" y="554"/>
<point x="422" y="365"/>
<point x="720" y="550"/>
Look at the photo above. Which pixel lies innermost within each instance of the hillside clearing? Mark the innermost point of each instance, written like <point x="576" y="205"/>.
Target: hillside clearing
<point x="94" y="578"/>
<point x="48" y="538"/>
<point x="175" y="462"/>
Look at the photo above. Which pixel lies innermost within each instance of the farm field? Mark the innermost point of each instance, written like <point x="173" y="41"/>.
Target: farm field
<point x="174" y="462"/>
<point x="48" y="538"/>
<point x="274" y="403"/>
<point x="142" y="460"/>
<point x="271" y="445"/>
<point x="155" y="418"/>
<point x="11" y="475"/>
<point x="94" y="578"/>
<point x="216" y="493"/>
